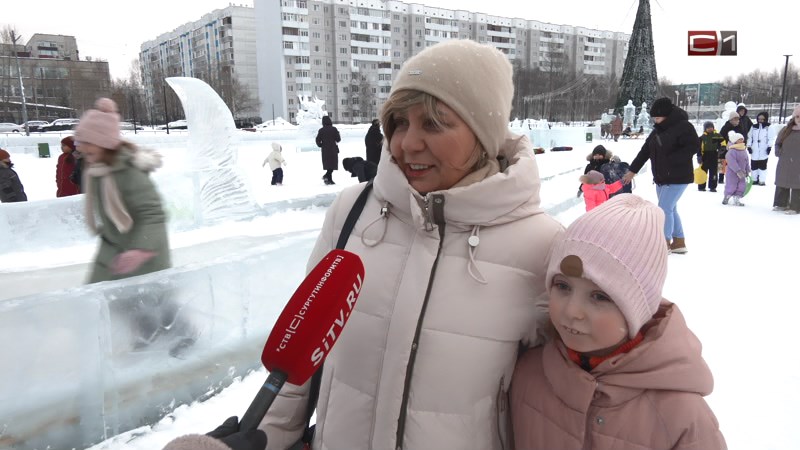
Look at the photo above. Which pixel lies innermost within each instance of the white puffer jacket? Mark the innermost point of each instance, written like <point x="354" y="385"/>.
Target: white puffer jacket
<point x="482" y="301"/>
<point x="758" y="140"/>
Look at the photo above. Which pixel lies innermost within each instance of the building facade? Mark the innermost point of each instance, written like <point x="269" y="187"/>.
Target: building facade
<point x="56" y="82"/>
<point x="347" y="52"/>
<point x="219" y="48"/>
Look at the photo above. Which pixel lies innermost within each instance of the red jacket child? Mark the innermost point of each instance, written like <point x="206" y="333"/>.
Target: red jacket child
<point x="595" y="190"/>
<point x="64" y="168"/>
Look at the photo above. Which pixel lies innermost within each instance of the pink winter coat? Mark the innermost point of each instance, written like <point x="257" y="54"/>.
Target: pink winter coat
<point x="483" y="301"/>
<point x="649" y="398"/>
<point x="596" y="194"/>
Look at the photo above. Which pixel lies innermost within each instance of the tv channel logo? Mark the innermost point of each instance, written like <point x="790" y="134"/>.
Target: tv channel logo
<point x="712" y="43"/>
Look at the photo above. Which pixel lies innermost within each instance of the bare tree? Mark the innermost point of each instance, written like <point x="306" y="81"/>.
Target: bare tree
<point x="367" y="99"/>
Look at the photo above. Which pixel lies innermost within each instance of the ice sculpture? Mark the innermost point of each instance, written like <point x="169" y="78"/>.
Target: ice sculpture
<point x="220" y="190"/>
<point x="629" y="111"/>
<point x="311" y="112"/>
<point x="644" y="118"/>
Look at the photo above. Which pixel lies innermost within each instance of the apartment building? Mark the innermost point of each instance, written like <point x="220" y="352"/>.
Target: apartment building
<point x="56" y="82"/>
<point x="219" y="48"/>
<point x="347" y="52"/>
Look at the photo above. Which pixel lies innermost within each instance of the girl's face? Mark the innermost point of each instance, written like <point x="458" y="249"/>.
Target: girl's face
<point x="586" y="318"/>
<point x="91" y="152"/>
<point x="432" y="158"/>
<point x="740" y="141"/>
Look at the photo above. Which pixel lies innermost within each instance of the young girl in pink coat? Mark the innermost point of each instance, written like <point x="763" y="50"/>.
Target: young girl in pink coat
<point x="623" y="370"/>
<point x="595" y="190"/>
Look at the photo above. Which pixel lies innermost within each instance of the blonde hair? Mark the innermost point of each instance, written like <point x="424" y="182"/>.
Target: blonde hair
<point x="399" y="102"/>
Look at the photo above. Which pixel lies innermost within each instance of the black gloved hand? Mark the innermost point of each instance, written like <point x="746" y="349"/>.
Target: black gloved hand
<point x="229" y="433"/>
<point x="749" y="150"/>
<point x="769" y="149"/>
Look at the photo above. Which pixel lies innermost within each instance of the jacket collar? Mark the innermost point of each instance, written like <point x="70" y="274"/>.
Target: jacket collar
<point x="669" y="358"/>
<point x="498" y="198"/>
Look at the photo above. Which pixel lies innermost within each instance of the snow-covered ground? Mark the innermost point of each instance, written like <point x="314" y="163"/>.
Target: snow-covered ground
<point x="733" y="286"/>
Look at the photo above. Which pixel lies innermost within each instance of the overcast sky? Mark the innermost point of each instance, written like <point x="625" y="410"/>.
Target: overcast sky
<point x="114" y="30"/>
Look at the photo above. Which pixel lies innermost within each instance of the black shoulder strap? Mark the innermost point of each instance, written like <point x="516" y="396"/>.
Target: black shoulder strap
<point x="316" y="380"/>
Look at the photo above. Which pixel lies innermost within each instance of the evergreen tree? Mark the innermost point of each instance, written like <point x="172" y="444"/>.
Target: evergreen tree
<point x="639" y="80"/>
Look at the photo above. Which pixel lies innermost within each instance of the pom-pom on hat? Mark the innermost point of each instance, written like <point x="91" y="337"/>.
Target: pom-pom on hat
<point x="475" y="80"/>
<point x="100" y="126"/>
<point x="620" y="247"/>
<point x="662" y="107"/>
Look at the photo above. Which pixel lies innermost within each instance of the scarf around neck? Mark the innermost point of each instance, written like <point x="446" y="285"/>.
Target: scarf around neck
<point x="110" y="199"/>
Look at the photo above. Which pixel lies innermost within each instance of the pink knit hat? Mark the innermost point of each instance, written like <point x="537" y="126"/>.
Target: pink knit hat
<point x="621" y="248"/>
<point x="100" y="126"/>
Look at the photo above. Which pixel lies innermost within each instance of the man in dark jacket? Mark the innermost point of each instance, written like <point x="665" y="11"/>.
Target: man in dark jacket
<point x="327" y="137"/>
<point x="11" y="189"/>
<point x="373" y="141"/>
<point x="670" y="148"/>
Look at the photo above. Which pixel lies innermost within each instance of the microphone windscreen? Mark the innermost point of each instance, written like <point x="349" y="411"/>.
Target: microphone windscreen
<point x="313" y="319"/>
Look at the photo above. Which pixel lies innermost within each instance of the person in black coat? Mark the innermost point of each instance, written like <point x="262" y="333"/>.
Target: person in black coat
<point x="11" y="189"/>
<point x="364" y="170"/>
<point x="374" y="142"/>
<point x="327" y="137"/>
<point x="670" y="148"/>
<point x="745" y="123"/>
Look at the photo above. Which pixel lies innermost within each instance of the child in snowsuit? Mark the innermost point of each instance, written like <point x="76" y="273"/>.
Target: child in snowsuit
<point x="759" y="144"/>
<point x="623" y="370"/>
<point x="595" y="190"/>
<point x="275" y="160"/>
<point x="738" y="169"/>
<point x="596" y="159"/>
<point x="708" y="155"/>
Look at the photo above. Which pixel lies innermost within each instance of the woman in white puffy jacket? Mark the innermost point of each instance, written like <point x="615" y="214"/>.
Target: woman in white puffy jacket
<point x="759" y="144"/>
<point x="454" y="244"/>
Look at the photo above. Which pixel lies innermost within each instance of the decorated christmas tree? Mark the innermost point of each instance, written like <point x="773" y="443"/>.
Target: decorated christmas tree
<point x="639" y="78"/>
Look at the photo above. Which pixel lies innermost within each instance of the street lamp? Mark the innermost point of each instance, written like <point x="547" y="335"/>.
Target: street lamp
<point x="783" y="91"/>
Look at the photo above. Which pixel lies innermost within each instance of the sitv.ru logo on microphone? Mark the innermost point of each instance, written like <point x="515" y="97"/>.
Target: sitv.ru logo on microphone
<point x="712" y="43"/>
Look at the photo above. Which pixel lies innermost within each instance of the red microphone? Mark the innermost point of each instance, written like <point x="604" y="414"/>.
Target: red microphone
<point x="307" y="328"/>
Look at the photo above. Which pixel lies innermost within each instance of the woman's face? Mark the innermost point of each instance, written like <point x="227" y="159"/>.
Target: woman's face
<point x="586" y="318"/>
<point x="91" y="152"/>
<point x="432" y="158"/>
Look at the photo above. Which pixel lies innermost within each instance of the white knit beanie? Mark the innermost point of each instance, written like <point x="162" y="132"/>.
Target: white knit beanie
<point x="620" y="246"/>
<point x="475" y="80"/>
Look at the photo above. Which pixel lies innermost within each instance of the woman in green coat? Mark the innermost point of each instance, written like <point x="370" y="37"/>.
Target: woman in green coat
<point x="132" y="229"/>
<point x="132" y="225"/>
